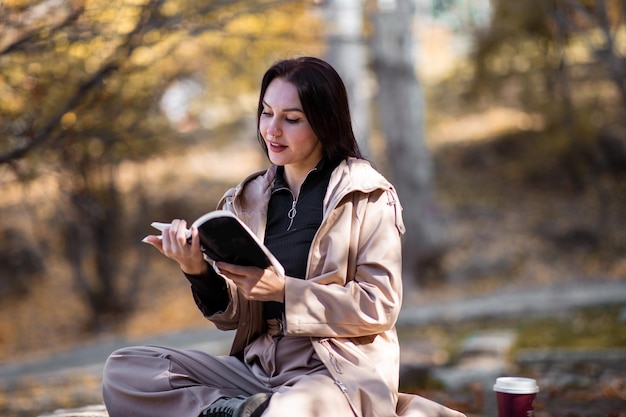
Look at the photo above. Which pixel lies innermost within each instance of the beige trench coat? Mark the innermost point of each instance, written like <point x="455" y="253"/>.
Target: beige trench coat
<point x="350" y="300"/>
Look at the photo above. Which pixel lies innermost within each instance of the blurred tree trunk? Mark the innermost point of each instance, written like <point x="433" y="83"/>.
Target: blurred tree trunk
<point x="609" y="53"/>
<point x="401" y="109"/>
<point x="92" y="232"/>
<point x="348" y="54"/>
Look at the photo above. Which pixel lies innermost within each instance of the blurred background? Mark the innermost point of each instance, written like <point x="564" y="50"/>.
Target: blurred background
<point x="502" y="124"/>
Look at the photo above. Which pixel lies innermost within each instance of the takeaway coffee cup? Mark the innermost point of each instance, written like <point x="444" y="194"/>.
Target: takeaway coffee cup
<point x="515" y="396"/>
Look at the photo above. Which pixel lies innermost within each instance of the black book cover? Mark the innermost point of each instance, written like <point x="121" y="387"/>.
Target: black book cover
<point x="223" y="237"/>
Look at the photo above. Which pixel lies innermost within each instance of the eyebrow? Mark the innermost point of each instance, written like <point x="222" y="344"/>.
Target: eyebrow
<point x="298" y="109"/>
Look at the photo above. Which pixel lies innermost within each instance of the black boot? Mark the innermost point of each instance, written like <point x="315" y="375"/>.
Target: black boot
<point x="238" y="406"/>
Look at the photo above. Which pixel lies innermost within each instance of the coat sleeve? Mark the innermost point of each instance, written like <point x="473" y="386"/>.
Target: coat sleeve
<point x="217" y="297"/>
<point x="353" y="287"/>
<point x="209" y="292"/>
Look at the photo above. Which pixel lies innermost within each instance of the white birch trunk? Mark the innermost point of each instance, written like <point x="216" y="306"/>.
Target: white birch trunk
<point x="401" y="109"/>
<point x="347" y="52"/>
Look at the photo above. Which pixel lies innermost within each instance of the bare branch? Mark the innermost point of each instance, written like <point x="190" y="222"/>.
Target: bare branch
<point x="149" y="19"/>
<point x="31" y="34"/>
<point x="259" y="7"/>
<point x="44" y="134"/>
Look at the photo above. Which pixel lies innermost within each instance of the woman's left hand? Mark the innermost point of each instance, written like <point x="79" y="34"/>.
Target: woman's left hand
<point x="255" y="283"/>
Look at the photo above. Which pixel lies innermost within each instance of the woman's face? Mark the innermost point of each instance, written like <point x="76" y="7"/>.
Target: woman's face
<point x="287" y="133"/>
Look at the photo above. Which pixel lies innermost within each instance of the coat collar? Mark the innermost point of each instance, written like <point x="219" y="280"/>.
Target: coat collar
<point x="350" y="175"/>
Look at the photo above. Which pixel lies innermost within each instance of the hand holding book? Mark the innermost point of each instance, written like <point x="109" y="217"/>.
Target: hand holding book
<point x="223" y="237"/>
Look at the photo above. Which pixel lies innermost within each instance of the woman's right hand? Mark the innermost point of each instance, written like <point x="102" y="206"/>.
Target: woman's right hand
<point x="173" y="244"/>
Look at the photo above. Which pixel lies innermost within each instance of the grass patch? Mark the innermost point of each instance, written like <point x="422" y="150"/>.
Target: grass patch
<point x="601" y="327"/>
<point x="589" y="328"/>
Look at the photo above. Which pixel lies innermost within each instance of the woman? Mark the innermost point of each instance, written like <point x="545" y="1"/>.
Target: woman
<point x="319" y="340"/>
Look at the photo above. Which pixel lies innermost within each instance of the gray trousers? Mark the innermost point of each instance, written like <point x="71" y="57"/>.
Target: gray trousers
<point x="150" y="381"/>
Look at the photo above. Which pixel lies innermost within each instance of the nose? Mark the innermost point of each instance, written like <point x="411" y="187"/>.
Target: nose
<point x="273" y="129"/>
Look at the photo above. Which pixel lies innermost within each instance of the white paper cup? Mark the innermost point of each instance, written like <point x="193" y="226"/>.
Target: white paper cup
<point x="515" y="396"/>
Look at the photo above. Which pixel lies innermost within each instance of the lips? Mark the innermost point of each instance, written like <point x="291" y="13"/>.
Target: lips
<point x="276" y="147"/>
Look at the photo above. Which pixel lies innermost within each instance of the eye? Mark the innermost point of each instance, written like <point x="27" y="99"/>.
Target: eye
<point x="292" y="121"/>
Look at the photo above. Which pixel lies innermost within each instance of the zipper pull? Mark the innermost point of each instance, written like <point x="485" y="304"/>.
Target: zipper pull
<point x="292" y="213"/>
<point x="341" y="386"/>
<point x="331" y="356"/>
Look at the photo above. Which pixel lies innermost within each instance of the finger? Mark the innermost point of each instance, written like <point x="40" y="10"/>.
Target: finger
<point x="173" y="230"/>
<point x="165" y="239"/>
<point x="241" y="280"/>
<point x="244" y="271"/>
<point x="181" y="233"/>
<point x="154" y="240"/>
<point x="195" y="238"/>
<point x="172" y="241"/>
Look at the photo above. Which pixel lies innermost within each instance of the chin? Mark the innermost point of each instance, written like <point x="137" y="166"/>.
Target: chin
<point x="277" y="160"/>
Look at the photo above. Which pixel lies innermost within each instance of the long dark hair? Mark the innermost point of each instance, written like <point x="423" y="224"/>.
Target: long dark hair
<point x="324" y="102"/>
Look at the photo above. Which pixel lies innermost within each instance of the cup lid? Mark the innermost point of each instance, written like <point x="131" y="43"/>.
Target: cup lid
<point x="516" y="385"/>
